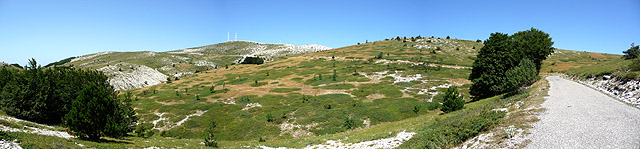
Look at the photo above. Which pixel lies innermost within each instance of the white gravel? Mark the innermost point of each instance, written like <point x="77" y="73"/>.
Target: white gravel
<point x="576" y="116"/>
<point x="9" y="145"/>
<point x="168" y="125"/>
<point x="251" y="105"/>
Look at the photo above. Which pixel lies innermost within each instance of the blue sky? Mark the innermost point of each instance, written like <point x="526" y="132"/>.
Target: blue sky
<point x="52" y="30"/>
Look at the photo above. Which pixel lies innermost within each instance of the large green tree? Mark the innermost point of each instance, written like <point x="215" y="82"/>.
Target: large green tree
<point x="501" y="53"/>
<point x="98" y="112"/>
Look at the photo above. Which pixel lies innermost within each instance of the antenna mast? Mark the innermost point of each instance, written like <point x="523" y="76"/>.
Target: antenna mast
<point x="236" y="36"/>
<point x="227" y="36"/>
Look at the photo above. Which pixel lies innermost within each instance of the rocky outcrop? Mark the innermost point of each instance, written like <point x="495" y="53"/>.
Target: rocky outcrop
<point x="90" y="56"/>
<point x="124" y="76"/>
<point x="625" y="90"/>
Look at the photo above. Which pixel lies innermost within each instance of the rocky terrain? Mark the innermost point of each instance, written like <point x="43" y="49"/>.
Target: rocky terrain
<point x="132" y="76"/>
<point x="131" y="70"/>
<point x="625" y="90"/>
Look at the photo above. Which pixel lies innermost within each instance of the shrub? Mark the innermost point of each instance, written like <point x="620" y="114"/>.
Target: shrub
<point x="448" y="37"/>
<point x="349" y="123"/>
<point x="252" y="60"/>
<point x="452" y="100"/>
<point x="144" y="130"/>
<point x="453" y="130"/>
<point x="269" y="117"/>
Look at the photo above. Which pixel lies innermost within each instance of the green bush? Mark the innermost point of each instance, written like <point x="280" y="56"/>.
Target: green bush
<point x="349" y="123"/>
<point x="452" y="100"/>
<point x="144" y="130"/>
<point x="522" y="75"/>
<point x="451" y="131"/>
<point x="635" y="65"/>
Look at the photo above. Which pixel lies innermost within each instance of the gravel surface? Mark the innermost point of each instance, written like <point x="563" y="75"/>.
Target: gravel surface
<point x="576" y="116"/>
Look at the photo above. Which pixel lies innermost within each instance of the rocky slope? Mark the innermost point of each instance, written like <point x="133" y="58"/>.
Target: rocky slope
<point x="625" y="90"/>
<point x="130" y="70"/>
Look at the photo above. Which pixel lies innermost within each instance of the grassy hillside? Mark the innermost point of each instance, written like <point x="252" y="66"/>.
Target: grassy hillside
<point x="352" y="94"/>
<point x="253" y="101"/>
<point x="379" y="88"/>
<point x="585" y="63"/>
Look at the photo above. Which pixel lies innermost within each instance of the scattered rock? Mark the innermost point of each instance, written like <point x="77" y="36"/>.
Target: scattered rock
<point x="9" y="145"/>
<point x="380" y="143"/>
<point x="33" y="130"/>
<point x="251" y="105"/>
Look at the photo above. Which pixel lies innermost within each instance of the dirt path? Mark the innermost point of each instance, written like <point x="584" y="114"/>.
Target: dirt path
<point x="576" y="116"/>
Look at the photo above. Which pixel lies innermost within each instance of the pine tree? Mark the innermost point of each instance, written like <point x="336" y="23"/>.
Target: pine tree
<point x="210" y="139"/>
<point x="333" y="78"/>
<point x="452" y="100"/>
<point x="97" y="110"/>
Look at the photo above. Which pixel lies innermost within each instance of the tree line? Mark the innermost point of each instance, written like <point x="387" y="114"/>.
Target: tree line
<point x="81" y="100"/>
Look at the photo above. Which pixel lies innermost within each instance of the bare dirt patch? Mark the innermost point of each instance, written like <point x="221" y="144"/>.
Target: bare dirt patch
<point x="372" y="97"/>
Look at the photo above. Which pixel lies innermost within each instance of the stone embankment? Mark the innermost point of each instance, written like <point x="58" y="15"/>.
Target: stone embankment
<point x="625" y="90"/>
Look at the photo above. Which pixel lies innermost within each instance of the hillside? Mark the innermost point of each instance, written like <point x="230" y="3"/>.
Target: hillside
<point x="130" y="70"/>
<point x="360" y="95"/>
<point x="583" y="63"/>
<point x="311" y="94"/>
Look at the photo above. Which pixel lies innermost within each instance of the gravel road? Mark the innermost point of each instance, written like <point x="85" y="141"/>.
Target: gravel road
<point x="576" y="116"/>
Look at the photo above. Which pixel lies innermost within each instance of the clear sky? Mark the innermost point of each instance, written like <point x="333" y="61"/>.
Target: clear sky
<point x="53" y="30"/>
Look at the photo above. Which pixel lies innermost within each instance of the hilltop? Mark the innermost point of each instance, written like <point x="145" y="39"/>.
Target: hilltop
<point x="130" y="70"/>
